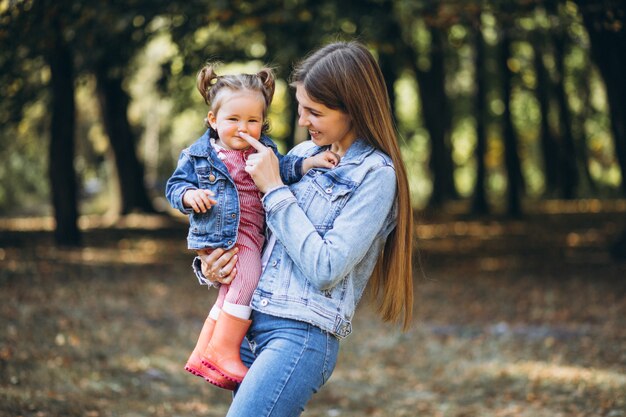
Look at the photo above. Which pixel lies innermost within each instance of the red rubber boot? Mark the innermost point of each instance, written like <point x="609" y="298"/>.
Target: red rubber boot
<point x="195" y="365"/>
<point x="222" y="352"/>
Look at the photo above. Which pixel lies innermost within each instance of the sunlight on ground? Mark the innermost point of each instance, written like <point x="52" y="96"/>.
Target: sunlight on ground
<point x="543" y="372"/>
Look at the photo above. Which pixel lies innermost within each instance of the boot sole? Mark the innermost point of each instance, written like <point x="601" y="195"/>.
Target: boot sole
<point x="210" y="380"/>
<point x="208" y="364"/>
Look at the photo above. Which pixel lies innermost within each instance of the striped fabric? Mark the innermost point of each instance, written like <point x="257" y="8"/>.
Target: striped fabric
<point x="250" y="233"/>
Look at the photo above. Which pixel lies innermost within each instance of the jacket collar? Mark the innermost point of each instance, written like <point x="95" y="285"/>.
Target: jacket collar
<point x="355" y="154"/>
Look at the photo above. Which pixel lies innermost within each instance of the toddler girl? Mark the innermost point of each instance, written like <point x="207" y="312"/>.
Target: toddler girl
<point x="224" y="206"/>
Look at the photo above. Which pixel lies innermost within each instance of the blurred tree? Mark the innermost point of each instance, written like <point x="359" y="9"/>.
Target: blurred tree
<point x="63" y="120"/>
<point x="541" y="40"/>
<point x="427" y="63"/>
<point x="511" y="151"/>
<point x="51" y="19"/>
<point x="605" y="22"/>
<point x="479" y="198"/>
<point x="567" y="155"/>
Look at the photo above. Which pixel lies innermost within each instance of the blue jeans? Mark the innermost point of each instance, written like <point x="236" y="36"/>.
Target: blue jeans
<point x="289" y="361"/>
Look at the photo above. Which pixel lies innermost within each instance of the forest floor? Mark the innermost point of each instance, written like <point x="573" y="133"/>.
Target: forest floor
<point x="512" y="318"/>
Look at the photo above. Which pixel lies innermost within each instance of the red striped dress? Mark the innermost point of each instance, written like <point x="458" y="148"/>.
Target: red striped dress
<point x="250" y="232"/>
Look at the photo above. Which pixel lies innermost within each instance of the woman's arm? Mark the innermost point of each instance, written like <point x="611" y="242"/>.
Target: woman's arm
<point x="328" y="259"/>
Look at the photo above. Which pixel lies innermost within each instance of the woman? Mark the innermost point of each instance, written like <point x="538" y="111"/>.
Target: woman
<point x="329" y="234"/>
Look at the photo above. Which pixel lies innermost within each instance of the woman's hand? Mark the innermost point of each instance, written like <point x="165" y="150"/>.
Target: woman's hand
<point x="219" y="265"/>
<point x="262" y="165"/>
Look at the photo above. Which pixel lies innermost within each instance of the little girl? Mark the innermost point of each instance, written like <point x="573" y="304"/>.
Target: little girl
<point x="211" y="185"/>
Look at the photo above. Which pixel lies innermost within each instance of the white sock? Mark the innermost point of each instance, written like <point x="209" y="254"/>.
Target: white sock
<point x="237" y="310"/>
<point x="215" y="312"/>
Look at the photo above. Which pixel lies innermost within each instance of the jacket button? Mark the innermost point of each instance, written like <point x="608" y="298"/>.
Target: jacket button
<point x="274" y="263"/>
<point x="211" y="177"/>
<point x="233" y="215"/>
<point x="230" y="242"/>
<point x="264" y="302"/>
<point x="329" y="190"/>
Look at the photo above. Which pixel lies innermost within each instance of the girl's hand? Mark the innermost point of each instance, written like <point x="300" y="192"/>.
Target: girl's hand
<point x="199" y="200"/>
<point x="262" y="165"/>
<point x="218" y="265"/>
<point x="326" y="159"/>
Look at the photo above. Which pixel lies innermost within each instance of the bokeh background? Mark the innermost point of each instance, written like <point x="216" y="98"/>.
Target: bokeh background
<point x="512" y="121"/>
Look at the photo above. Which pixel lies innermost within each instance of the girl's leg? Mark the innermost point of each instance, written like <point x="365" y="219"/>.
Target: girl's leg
<point x="290" y="361"/>
<point x="247" y="279"/>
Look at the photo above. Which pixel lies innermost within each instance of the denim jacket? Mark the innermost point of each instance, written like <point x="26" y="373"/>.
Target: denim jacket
<point x="330" y="228"/>
<point x="199" y="167"/>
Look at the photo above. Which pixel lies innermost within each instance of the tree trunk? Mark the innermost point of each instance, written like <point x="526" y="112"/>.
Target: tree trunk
<point x="63" y="119"/>
<point x="608" y="43"/>
<point x="567" y="161"/>
<point x="549" y="147"/>
<point x="114" y="104"/>
<point x="479" y="200"/>
<point x="437" y="119"/>
<point x="511" y="156"/>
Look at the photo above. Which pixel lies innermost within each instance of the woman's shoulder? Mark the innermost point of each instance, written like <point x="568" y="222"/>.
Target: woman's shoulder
<point x="366" y="156"/>
<point x="306" y="148"/>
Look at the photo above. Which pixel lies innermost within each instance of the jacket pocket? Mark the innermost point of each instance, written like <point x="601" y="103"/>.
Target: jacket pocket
<point x="329" y="197"/>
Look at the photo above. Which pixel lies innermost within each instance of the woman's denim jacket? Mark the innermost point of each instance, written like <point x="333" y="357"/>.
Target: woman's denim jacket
<point x="199" y="167"/>
<point x="330" y="228"/>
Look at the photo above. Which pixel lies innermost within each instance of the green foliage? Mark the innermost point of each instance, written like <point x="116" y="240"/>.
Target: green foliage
<point x="157" y="47"/>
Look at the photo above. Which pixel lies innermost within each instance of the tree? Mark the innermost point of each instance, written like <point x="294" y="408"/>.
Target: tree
<point x="62" y="173"/>
<point x="479" y="199"/>
<point x="511" y="153"/>
<point x="605" y="22"/>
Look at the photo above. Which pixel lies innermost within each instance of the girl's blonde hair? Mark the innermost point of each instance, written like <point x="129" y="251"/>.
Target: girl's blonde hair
<point x="345" y="76"/>
<point x="212" y="87"/>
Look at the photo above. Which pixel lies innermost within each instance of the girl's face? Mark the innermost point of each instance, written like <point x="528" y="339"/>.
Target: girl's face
<point x="240" y="111"/>
<point x="326" y="126"/>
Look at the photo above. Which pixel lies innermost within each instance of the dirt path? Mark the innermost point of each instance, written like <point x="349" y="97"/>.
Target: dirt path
<point x="512" y="319"/>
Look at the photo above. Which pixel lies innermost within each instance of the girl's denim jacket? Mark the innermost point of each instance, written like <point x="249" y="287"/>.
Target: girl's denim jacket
<point x="330" y="228"/>
<point x="199" y="167"/>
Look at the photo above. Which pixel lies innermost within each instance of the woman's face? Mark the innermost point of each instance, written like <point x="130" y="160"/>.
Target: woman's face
<point x="240" y="111"/>
<point x="326" y="126"/>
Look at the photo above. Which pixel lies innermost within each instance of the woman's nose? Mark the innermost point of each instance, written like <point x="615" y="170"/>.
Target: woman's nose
<point x="303" y="120"/>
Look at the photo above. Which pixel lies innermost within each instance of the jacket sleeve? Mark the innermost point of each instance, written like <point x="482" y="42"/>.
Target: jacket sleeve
<point x="325" y="260"/>
<point x="182" y="179"/>
<point x="290" y="168"/>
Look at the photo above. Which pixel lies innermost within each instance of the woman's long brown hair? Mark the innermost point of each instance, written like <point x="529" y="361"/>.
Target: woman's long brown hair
<point x="345" y="76"/>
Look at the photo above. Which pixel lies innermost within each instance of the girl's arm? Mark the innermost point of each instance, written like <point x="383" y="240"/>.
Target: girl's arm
<point x="183" y="179"/>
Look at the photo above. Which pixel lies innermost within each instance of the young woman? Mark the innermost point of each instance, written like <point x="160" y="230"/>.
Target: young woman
<point x="330" y="234"/>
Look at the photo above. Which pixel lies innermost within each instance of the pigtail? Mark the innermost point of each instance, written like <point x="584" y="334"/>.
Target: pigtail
<point x="268" y="80"/>
<point x="204" y="82"/>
